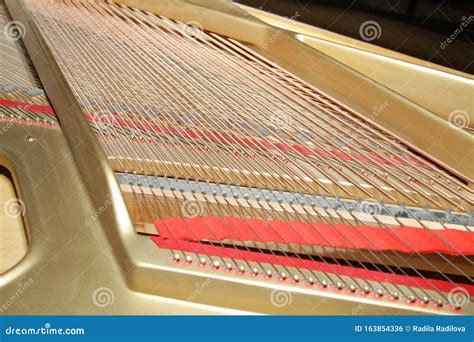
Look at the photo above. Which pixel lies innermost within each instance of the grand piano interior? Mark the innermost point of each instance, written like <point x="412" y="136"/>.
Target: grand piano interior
<point x="218" y="157"/>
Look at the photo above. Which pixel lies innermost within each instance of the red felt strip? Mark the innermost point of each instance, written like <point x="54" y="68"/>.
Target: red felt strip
<point x="401" y="239"/>
<point x="193" y="247"/>
<point x="23" y="105"/>
<point x="231" y="140"/>
<point x="216" y="137"/>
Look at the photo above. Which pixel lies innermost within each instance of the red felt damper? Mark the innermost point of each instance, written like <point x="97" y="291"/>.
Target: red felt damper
<point x="27" y="106"/>
<point x="400" y="239"/>
<point x="231" y="140"/>
<point x="362" y="273"/>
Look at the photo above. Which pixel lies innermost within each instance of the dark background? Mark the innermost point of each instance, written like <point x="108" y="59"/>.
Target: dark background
<point x="415" y="27"/>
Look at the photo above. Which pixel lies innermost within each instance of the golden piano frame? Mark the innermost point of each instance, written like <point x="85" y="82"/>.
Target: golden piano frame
<point x="68" y="261"/>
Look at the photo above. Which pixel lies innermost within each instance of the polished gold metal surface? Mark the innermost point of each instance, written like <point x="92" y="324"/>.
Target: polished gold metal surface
<point x="438" y="89"/>
<point x="84" y="243"/>
<point x="69" y="266"/>
<point x="13" y="240"/>
<point x="69" y="262"/>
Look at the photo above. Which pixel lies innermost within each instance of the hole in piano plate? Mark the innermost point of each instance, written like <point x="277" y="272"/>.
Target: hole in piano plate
<point x="13" y="238"/>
